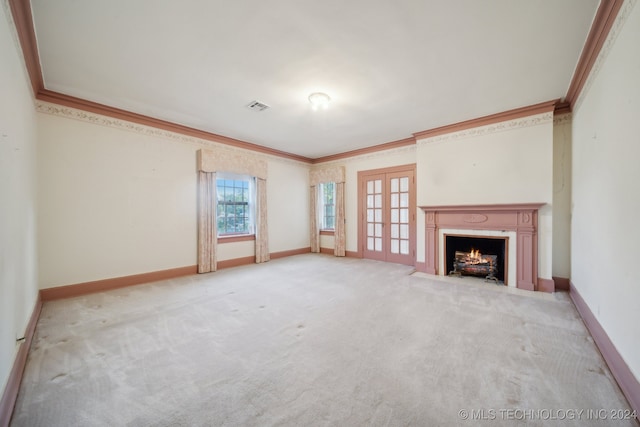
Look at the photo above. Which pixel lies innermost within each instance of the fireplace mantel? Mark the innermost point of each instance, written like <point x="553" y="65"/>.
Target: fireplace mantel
<point x="521" y="218"/>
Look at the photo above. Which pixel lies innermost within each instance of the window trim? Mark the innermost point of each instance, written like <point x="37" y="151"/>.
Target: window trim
<point x="238" y="237"/>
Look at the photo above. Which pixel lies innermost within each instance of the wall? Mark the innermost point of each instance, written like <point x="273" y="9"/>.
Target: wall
<point x="507" y="162"/>
<point x="562" y="196"/>
<point x="118" y="199"/>
<point x="606" y="199"/>
<point x="18" y="272"/>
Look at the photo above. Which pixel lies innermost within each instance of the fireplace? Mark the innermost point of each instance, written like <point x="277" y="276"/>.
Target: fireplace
<point x="518" y="221"/>
<point x="484" y="257"/>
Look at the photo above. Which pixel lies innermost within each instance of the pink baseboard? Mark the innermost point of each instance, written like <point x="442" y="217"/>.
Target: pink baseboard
<point x="626" y="380"/>
<point x="283" y="254"/>
<point x="77" y="289"/>
<point x="421" y="267"/>
<point x="10" y="394"/>
<point x="328" y="251"/>
<point x="546" y="285"/>
<point x="562" y="283"/>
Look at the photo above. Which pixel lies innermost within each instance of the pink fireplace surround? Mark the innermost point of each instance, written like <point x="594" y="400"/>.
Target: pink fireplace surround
<point x="521" y="218"/>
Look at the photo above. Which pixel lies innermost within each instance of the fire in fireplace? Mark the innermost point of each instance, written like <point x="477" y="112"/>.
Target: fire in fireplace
<point x="476" y="256"/>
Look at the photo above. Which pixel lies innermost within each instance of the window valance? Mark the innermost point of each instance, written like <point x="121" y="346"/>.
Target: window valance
<point x="229" y="161"/>
<point x="330" y="174"/>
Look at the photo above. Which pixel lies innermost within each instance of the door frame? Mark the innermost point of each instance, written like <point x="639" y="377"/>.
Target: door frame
<point x="362" y="176"/>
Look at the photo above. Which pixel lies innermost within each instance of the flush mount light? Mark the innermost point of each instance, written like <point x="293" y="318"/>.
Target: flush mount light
<point x="319" y="100"/>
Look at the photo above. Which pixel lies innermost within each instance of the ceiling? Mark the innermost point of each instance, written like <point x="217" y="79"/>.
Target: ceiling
<point x="391" y="68"/>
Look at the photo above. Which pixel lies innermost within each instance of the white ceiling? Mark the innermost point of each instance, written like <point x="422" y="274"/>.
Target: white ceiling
<point x="392" y="68"/>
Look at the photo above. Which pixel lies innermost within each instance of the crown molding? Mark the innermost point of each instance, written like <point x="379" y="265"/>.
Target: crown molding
<point x="602" y="23"/>
<point x="367" y="150"/>
<point x="23" y="21"/>
<point x="510" y="116"/>
<point x="94" y="107"/>
<point x="504" y="116"/>
<point x="609" y="40"/>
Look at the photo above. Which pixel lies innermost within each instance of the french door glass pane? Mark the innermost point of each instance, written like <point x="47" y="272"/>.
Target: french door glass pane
<point x="394" y="185"/>
<point x="404" y="231"/>
<point x="394" y="231"/>
<point x="394" y="200"/>
<point x="404" y="184"/>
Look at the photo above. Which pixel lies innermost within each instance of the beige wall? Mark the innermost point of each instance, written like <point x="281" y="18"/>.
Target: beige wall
<point x="18" y="264"/>
<point x="115" y="202"/>
<point x="508" y="162"/>
<point x="562" y="196"/>
<point x="605" y="235"/>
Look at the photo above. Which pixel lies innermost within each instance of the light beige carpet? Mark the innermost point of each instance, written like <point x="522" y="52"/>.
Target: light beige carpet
<point x="314" y="340"/>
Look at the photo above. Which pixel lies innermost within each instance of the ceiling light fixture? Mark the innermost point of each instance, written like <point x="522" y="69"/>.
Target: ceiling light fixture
<point x="319" y="100"/>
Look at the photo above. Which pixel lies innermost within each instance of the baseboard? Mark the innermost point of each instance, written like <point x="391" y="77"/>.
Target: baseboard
<point x="546" y="285"/>
<point x="421" y="267"/>
<point x="328" y="251"/>
<point x="626" y="380"/>
<point x="283" y="254"/>
<point x="562" y="283"/>
<point x="10" y="394"/>
<point x="352" y="254"/>
<point x="69" y="291"/>
<point x="235" y="262"/>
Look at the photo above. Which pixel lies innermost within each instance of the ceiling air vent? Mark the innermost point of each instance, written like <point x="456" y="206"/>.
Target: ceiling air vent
<point x="257" y="106"/>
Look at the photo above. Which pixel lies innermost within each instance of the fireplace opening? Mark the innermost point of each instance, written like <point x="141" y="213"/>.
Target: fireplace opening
<point x="477" y="256"/>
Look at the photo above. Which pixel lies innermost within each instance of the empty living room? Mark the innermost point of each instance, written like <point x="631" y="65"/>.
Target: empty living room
<point x="296" y="213"/>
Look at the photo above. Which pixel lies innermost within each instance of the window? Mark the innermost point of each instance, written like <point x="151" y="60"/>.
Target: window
<point x="236" y="196"/>
<point x="327" y="206"/>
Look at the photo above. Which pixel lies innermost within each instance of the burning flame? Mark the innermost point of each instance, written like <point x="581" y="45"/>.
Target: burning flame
<point x="475" y="257"/>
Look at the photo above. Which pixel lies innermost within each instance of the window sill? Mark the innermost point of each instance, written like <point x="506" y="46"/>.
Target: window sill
<point x="232" y="238"/>
<point x="327" y="232"/>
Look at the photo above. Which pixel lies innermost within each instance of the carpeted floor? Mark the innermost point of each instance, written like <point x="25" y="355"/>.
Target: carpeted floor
<point x="315" y="340"/>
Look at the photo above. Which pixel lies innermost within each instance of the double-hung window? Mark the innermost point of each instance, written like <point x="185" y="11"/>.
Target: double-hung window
<point x="236" y="204"/>
<point x="327" y="196"/>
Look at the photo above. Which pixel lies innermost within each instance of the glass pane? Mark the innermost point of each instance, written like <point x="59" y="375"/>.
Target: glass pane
<point x="395" y="233"/>
<point x="378" y="216"/>
<point x="378" y="201"/>
<point x="369" y="187"/>
<point x="404" y="216"/>
<point x="404" y="247"/>
<point x="404" y="200"/>
<point x="404" y="231"/>
<point x="395" y="246"/>
<point x="394" y="200"/>
<point x="369" y="229"/>
<point x="378" y="230"/>
<point x="369" y="201"/>
<point x="378" y="244"/>
<point x="369" y="215"/>
<point x="394" y="216"/>
<point x="378" y="186"/>
<point x="404" y="184"/>
<point x="370" y="244"/>
<point x="394" y="185"/>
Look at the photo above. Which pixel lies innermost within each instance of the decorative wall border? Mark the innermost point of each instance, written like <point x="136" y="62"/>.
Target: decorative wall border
<point x="72" y="113"/>
<point x="531" y="115"/>
<point x="521" y="123"/>
<point x="562" y="119"/>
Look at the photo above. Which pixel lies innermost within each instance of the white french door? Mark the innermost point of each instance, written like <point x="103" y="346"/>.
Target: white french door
<point x="387" y="220"/>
